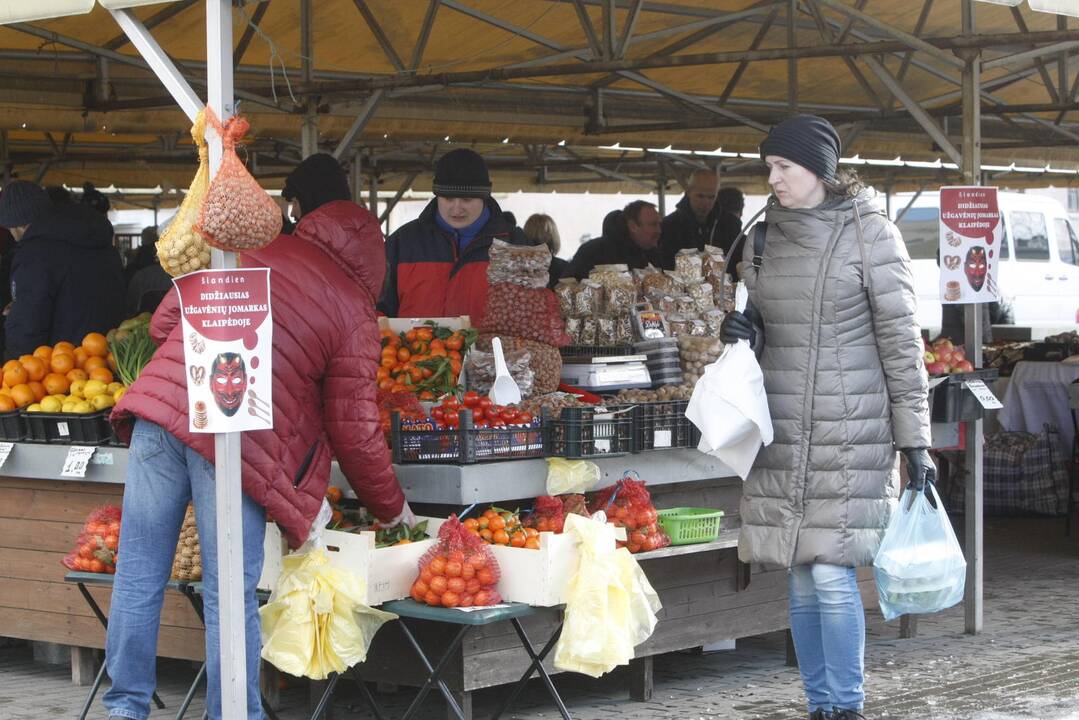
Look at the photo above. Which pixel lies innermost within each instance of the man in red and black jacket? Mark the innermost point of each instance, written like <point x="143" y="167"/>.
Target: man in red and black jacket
<point x="438" y="262"/>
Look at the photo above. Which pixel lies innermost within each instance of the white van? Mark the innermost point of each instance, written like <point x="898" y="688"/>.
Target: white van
<point x="1039" y="261"/>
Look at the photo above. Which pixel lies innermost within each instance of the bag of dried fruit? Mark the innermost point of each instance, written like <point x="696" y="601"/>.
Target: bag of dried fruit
<point x="180" y="248"/>
<point x="95" y="549"/>
<point x="238" y="214"/>
<point x="460" y="571"/>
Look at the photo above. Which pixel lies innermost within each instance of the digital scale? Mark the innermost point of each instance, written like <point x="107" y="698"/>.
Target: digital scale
<point x="600" y="374"/>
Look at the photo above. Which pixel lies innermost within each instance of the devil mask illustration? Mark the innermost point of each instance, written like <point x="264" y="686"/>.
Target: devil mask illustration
<point x="976" y="267"/>
<point x="228" y="382"/>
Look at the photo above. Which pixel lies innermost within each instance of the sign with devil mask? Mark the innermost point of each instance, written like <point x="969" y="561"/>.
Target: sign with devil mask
<point x="970" y="236"/>
<point x="227" y="331"/>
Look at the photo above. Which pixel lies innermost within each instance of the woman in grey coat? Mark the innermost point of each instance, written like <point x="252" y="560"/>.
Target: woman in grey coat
<point x="832" y="302"/>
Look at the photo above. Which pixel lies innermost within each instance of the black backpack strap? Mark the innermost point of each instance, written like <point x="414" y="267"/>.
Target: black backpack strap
<point x="760" y="230"/>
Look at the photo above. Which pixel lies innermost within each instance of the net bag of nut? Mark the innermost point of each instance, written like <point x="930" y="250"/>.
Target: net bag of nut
<point x="237" y="215"/>
<point x="180" y="248"/>
<point x="187" y="563"/>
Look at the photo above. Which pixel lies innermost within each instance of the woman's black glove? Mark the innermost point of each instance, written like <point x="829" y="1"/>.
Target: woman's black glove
<point x="736" y="326"/>
<point x="920" y="468"/>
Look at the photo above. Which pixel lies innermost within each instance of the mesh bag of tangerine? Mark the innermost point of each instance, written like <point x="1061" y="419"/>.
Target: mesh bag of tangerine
<point x="96" y="548"/>
<point x="460" y="571"/>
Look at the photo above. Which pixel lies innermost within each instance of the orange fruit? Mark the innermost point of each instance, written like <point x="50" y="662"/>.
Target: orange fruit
<point x="44" y="352"/>
<point x="62" y="362"/>
<point x="38" y="390"/>
<point x="16" y="376"/>
<point x="77" y="374"/>
<point x="101" y="373"/>
<point x="95" y="344"/>
<point x="35" y="367"/>
<point x="23" y="395"/>
<point x="501" y="538"/>
<point x="24" y="358"/>
<point x="94" y="362"/>
<point x="80" y="357"/>
<point x="56" y="384"/>
<point x="110" y="359"/>
<point x="12" y="365"/>
<point x="63" y="345"/>
<point x="7" y="404"/>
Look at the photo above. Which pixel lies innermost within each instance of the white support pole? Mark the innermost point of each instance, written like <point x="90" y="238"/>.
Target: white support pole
<point x="230" y="548"/>
<point x="160" y="63"/>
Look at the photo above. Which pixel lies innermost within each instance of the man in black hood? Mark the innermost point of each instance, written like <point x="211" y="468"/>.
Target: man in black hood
<point x="66" y="278"/>
<point x="630" y="237"/>
<point x="695" y="221"/>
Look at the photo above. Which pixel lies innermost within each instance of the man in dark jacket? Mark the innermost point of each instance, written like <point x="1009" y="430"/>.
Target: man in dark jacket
<point x="630" y="237"/>
<point x="66" y="276"/>
<point x="730" y="203"/>
<point x="695" y="221"/>
<point x="437" y="264"/>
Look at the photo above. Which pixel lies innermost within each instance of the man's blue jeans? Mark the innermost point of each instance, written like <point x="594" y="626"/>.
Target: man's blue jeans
<point x="828" y="625"/>
<point x="163" y="475"/>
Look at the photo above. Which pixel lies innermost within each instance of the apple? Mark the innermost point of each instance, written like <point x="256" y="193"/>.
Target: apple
<point x="943" y="355"/>
<point x="958" y="355"/>
<point x="943" y="344"/>
<point x="929" y="357"/>
<point x="963" y="366"/>
<point x="936" y="368"/>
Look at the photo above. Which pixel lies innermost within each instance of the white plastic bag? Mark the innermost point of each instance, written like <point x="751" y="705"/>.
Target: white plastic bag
<point x="729" y="405"/>
<point x="919" y="567"/>
<point x="571" y="476"/>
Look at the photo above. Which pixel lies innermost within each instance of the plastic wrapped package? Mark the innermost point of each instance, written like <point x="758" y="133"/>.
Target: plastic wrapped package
<point x="689" y="266"/>
<point x="605" y="334"/>
<point x="653" y="279"/>
<point x="685" y="306"/>
<point x="571" y="476"/>
<point x="181" y="248"/>
<point x="460" y="571"/>
<point x="317" y="622"/>
<point x="713" y="319"/>
<point x="604" y="274"/>
<point x="524" y="312"/>
<point x="526" y="265"/>
<point x="623" y="330"/>
<point x="95" y="548"/>
<point x="566" y="291"/>
<point x="545" y="360"/>
<point x="588" y="302"/>
<point x="620" y="295"/>
<point x="588" y="331"/>
<point x="573" y="329"/>
<point x="702" y="298"/>
<point x="667" y="305"/>
<point x="714" y="264"/>
<point x="480" y="370"/>
<point x="697" y="328"/>
<point x="237" y="214"/>
<point x="678" y="325"/>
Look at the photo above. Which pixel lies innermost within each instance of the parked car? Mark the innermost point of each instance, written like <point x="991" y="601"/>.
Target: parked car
<point x="1039" y="260"/>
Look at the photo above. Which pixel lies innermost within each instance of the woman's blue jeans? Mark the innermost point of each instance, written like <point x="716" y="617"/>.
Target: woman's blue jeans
<point x="828" y="625"/>
<point x="163" y="475"/>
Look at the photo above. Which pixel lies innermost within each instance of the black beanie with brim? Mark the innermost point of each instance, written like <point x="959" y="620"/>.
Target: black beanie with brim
<point x="808" y="140"/>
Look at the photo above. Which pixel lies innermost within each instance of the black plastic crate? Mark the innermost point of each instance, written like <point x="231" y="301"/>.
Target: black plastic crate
<point x="951" y="401"/>
<point x="462" y="445"/>
<point x="663" y="425"/>
<point x="584" y="432"/>
<point x="12" y="426"/>
<point x="68" y="428"/>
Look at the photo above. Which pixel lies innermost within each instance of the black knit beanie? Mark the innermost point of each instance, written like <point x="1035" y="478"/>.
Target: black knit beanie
<point x="808" y="140"/>
<point x="461" y="173"/>
<point x="21" y="203"/>
<point x="317" y="180"/>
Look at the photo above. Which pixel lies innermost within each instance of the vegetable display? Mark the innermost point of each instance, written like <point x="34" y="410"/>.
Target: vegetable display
<point x="425" y="361"/>
<point x="133" y="352"/>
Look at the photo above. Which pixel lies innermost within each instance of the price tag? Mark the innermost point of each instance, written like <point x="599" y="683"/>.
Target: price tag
<point x="661" y="439"/>
<point x="78" y="459"/>
<point x="985" y="395"/>
<point x="603" y="445"/>
<point x="5" y="450"/>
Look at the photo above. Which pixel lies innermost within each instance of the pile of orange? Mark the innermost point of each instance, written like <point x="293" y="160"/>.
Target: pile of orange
<point x="402" y="367"/>
<point x="52" y="370"/>
<point x="496" y="527"/>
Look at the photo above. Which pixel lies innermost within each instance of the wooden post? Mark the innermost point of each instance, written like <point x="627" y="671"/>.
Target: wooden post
<point x="83" y="665"/>
<point x="640" y="678"/>
<point x="908" y="626"/>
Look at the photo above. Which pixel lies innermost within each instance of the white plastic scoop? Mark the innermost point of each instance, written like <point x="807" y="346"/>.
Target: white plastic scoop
<point x="504" y="391"/>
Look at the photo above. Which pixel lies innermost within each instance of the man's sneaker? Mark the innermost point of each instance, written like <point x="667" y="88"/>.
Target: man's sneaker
<point x="841" y="714"/>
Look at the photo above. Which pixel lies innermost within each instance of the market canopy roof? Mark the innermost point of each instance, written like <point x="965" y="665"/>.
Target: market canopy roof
<point x="552" y="91"/>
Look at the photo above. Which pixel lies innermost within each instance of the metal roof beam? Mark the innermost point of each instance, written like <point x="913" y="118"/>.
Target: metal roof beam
<point x="425" y="34"/>
<point x="756" y="43"/>
<point x="1035" y="54"/>
<point x="362" y="118"/>
<point x="627" y="29"/>
<point x="380" y="35"/>
<point x="919" y="26"/>
<point x="589" y="31"/>
<point x="912" y="41"/>
<point x="826" y="35"/>
<point x="153" y="21"/>
<point x="1020" y="23"/>
<point x="249" y="33"/>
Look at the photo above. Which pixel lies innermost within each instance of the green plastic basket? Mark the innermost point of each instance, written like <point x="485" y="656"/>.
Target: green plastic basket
<point x="687" y="526"/>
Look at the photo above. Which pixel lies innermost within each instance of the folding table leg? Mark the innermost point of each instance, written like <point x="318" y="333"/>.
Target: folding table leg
<point x="435" y="673"/>
<point x="325" y="699"/>
<point x="371" y="702"/>
<point x="535" y="666"/>
<point x="191" y="692"/>
<point x="93" y="691"/>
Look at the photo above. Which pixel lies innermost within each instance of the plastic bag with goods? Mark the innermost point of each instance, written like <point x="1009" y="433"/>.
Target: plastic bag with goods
<point x="460" y="571"/>
<point x="628" y="504"/>
<point x="317" y="621"/>
<point x="919" y="567"/>
<point x="181" y="248"/>
<point x="544" y="360"/>
<point x="588" y="302"/>
<point x="571" y="476"/>
<point x="610" y="605"/>
<point x="566" y="292"/>
<point x="620" y="294"/>
<point x="526" y="265"/>
<point x="530" y="313"/>
<point x="96" y="546"/>
<point x="689" y="266"/>
<point x="480" y="370"/>
<point x="547" y="515"/>
<point x="237" y="214"/>
<point x="187" y="563"/>
<point x="652" y="279"/>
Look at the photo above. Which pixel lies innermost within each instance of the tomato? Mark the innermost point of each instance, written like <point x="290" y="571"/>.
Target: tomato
<point x="437" y="565"/>
<point x="451" y="403"/>
<point x="416" y="594"/>
<point x="485" y="576"/>
<point x="471" y="399"/>
<point x="498" y="423"/>
<point x="481" y="598"/>
<point x="478" y="414"/>
<point x="509" y="416"/>
<point x="468" y="571"/>
<point x="420" y="587"/>
<point x="524" y="417"/>
<point x="485" y="403"/>
<point x="636" y="538"/>
<point x="452" y="420"/>
<point x="433" y="598"/>
<point x="454" y="342"/>
<point x="467" y="601"/>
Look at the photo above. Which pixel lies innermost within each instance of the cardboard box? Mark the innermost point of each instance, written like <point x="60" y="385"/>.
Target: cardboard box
<point x="537" y="577"/>
<point x="461" y="322"/>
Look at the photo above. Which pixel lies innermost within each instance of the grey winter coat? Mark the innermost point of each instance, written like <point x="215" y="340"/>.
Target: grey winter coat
<point x="844" y="372"/>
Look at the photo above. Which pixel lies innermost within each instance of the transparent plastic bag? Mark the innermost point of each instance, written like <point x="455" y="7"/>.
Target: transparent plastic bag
<point x="480" y="370"/>
<point x="524" y="312"/>
<point x="919" y="567"/>
<point x="571" y="476"/>
<point x="460" y="571"/>
<point x="237" y="214"/>
<point x="181" y="248"/>
<point x="96" y="546"/>
<point x="565" y="291"/>
<point x="527" y="265"/>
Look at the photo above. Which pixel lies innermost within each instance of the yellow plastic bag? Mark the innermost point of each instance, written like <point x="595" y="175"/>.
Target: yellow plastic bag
<point x="571" y="476"/>
<point x="180" y="248"/>
<point x="610" y="605"/>
<point x="316" y="622"/>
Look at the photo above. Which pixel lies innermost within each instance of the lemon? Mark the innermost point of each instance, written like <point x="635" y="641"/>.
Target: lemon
<point x="36" y="407"/>
<point x="68" y="407"/>
<point x="51" y="404"/>
<point x="83" y="408"/>
<point x="102" y="401"/>
<point x="77" y="388"/>
<point x="61" y="397"/>
<point x="93" y="388"/>
<point x="119" y="394"/>
<point x="113" y="387"/>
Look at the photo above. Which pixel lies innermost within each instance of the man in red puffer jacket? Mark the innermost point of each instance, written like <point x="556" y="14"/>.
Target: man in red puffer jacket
<point x="324" y="281"/>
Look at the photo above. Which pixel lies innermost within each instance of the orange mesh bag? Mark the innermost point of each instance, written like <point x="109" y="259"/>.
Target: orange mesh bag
<point x="460" y="571"/>
<point x="547" y="514"/>
<point x="95" y="549"/>
<point x="237" y="214"/>
<point x="628" y="504"/>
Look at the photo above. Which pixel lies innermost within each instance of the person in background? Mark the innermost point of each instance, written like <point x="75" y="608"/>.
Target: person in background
<point x="323" y="283"/>
<point x="731" y="202"/>
<point x="93" y="198"/>
<point x="142" y="256"/>
<point x="59" y="195"/>
<point x="437" y="264"/>
<point x="541" y="230"/>
<point x="7" y="254"/>
<point x="694" y="222"/>
<point x="630" y="237"/>
<point x="148" y="283"/>
<point x="66" y="276"/>
<point x="832" y="307"/>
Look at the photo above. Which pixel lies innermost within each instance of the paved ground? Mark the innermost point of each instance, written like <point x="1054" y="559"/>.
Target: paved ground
<point x="1025" y="664"/>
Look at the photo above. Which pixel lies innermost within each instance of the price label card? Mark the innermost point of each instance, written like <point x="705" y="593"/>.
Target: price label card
<point x="78" y="459"/>
<point x="5" y="450"/>
<point x="603" y="445"/>
<point x="984" y="394"/>
<point x="661" y="439"/>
